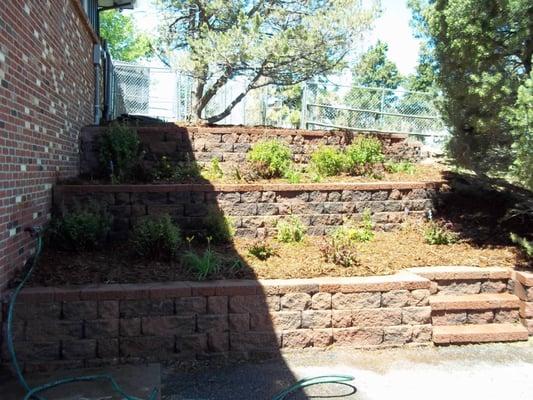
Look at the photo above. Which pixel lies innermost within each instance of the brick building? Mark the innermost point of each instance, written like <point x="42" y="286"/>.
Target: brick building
<point x="48" y="78"/>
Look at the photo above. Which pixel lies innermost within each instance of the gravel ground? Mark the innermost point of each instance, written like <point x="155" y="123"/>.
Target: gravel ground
<point x="494" y="371"/>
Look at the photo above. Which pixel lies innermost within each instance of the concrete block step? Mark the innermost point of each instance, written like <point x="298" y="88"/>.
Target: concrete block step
<point x="462" y="334"/>
<point x="481" y="301"/>
<point x="462" y="273"/>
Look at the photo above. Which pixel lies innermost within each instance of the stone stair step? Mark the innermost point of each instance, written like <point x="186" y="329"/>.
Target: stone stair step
<point x="481" y="301"/>
<point x="458" y="334"/>
<point x="461" y="273"/>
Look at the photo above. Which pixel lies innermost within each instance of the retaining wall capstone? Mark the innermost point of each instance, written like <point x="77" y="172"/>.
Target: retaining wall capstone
<point x="111" y="324"/>
<point x="256" y="209"/>
<point x="230" y="144"/>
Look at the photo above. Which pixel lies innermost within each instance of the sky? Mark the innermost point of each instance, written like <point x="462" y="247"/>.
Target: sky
<point x="392" y="27"/>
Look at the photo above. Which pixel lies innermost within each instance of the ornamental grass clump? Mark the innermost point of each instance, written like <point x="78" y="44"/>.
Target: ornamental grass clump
<point x="202" y="265"/>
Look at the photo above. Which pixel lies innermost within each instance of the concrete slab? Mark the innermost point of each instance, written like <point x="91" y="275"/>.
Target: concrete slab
<point x="493" y="371"/>
<point x="136" y="381"/>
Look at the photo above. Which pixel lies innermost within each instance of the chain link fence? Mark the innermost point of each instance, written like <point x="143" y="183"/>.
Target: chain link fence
<point x="167" y="94"/>
<point x="327" y="106"/>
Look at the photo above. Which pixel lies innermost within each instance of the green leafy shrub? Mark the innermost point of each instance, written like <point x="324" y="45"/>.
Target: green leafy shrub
<point x="524" y="245"/>
<point x="339" y="251"/>
<point x="293" y="175"/>
<point x="261" y="250"/>
<point x="202" y="265"/>
<point x="290" y="230"/>
<point x="220" y="228"/>
<point x="187" y="172"/>
<point x="402" y="166"/>
<point x="363" y="156"/>
<point x="79" y="230"/>
<point x="119" y="152"/>
<point x="156" y="237"/>
<point x="362" y="233"/>
<point x="327" y="161"/>
<point x="437" y="234"/>
<point x="270" y="159"/>
<point x="164" y="170"/>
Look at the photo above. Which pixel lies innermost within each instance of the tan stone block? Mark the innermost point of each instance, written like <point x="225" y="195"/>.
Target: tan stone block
<point x="341" y="318"/>
<point x="316" y="319"/>
<point x="351" y="301"/>
<point x="416" y="315"/>
<point x="297" y="339"/>
<point x="281" y="320"/>
<point x="322" y="337"/>
<point x="377" y="317"/>
<point x="480" y="317"/>
<point x="358" y="336"/>
<point x="395" y="298"/>
<point x="397" y="335"/>
<point x="321" y="301"/>
<point x="296" y="301"/>
<point x="422" y="333"/>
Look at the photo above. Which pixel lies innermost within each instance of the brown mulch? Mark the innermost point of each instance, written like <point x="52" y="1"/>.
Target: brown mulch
<point x="386" y="254"/>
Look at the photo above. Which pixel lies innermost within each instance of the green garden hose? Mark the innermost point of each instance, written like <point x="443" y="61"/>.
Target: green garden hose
<point x="33" y="393"/>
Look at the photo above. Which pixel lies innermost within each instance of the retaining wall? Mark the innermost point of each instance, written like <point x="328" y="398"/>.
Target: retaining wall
<point x="231" y="143"/>
<point x="255" y="209"/>
<point x="523" y="289"/>
<point x="111" y="324"/>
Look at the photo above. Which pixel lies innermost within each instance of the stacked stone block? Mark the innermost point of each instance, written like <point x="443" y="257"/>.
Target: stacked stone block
<point x="112" y="324"/>
<point x="524" y="290"/>
<point x="230" y="144"/>
<point x="256" y="209"/>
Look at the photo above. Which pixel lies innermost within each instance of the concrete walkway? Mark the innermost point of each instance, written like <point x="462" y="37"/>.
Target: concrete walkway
<point x="494" y="371"/>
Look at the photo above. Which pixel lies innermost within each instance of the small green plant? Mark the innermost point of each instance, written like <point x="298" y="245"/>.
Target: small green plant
<point x="220" y="228"/>
<point x="164" y="170"/>
<point x="524" y="245"/>
<point x="363" y="155"/>
<point x="261" y="250"/>
<point x="290" y="230"/>
<point x="119" y="152"/>
<point x="362" y="233"/>
<point x="188" y="171"/>
<point x="400" y="167"/>
<point x="156" y="237"/>
<point x="293" y="175"/>
<point x="339" y="251"/>
<point x="327" y="161"/>
<point x="79" y="230"/>
<point x="270" y="158"/>
<point x="438" y="234"/>
<point x="215" y="171"/>
<point x="202" y="265"/>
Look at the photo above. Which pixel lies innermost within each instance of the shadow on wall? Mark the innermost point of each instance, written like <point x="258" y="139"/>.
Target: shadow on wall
<point x="236" y="325"/>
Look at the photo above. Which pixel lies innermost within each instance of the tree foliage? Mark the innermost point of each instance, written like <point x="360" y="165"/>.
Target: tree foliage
<point x="375" y="69"/>
<point x="483" y="50"/>
<point x="269" y="42"/>
<point x="125" y="43"/>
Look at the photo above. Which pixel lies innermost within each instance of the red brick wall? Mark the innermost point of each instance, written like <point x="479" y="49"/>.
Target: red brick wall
<point x="46" y="95"/>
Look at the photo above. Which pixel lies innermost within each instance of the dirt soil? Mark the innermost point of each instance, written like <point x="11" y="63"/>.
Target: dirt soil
<point x="386" y="254"/>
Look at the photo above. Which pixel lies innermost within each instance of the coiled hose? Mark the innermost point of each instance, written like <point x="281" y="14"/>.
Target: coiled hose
<point x="34" y="392"/>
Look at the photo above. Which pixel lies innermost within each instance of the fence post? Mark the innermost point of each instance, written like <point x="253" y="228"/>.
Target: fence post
<point x="303" y="112"/>
<point x="382" y="106"/>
